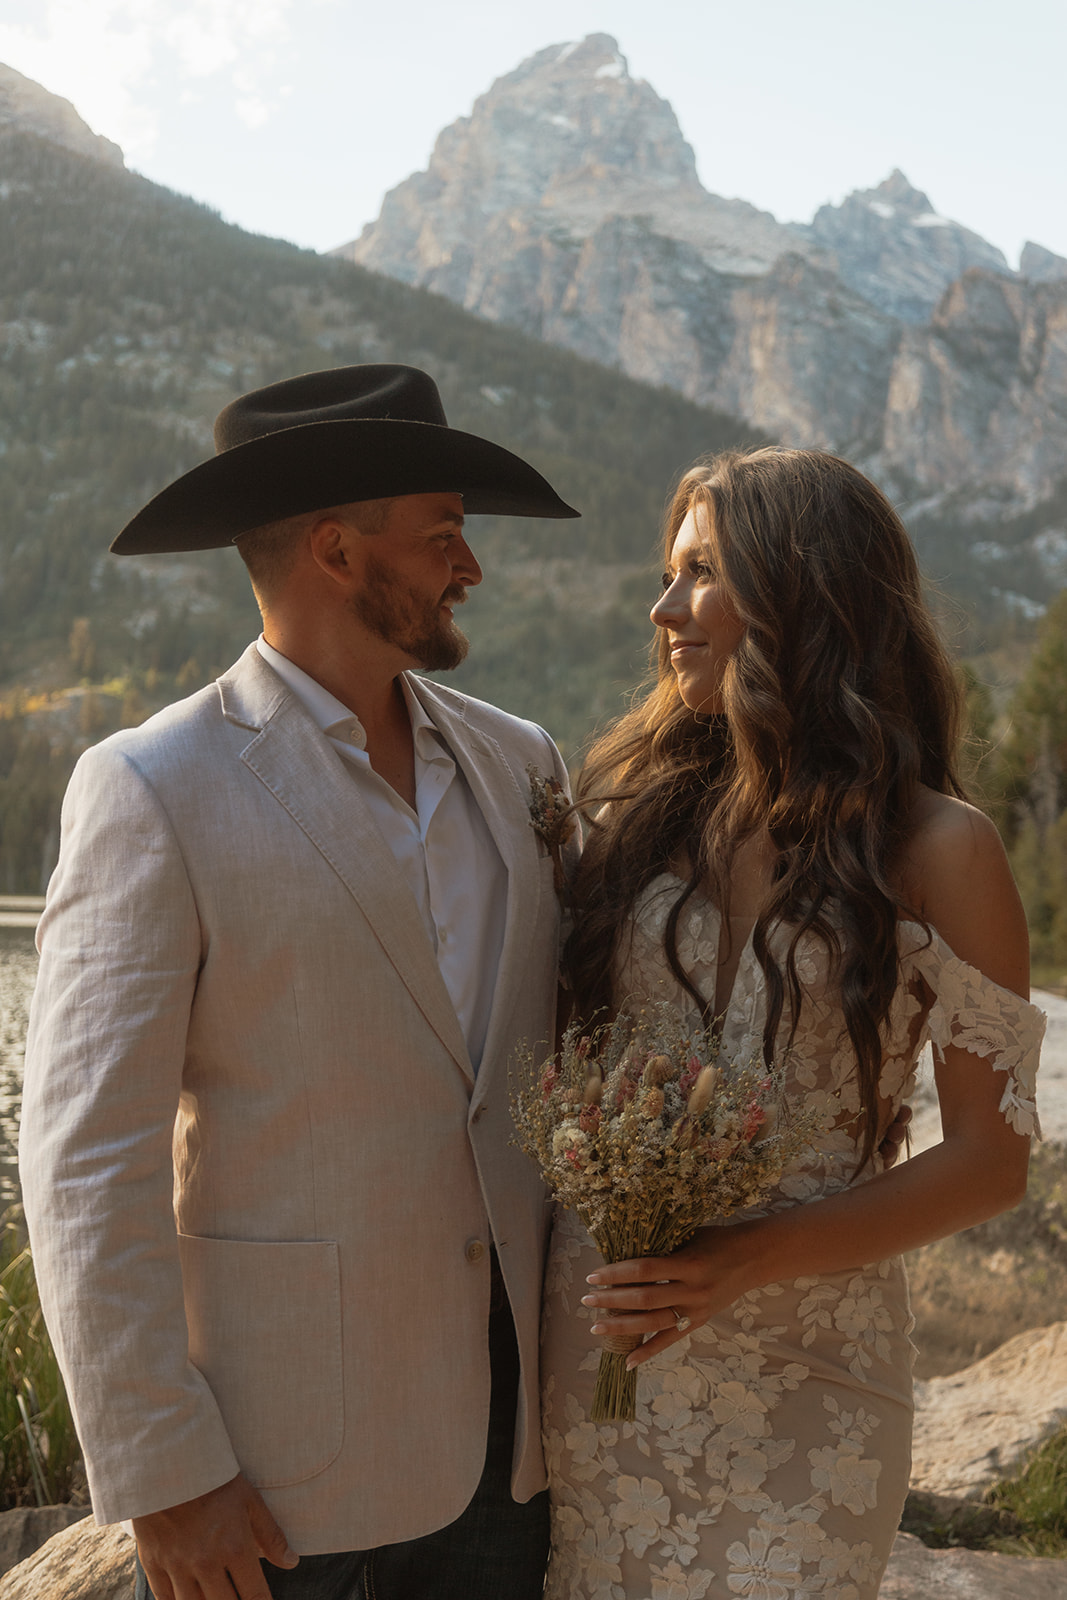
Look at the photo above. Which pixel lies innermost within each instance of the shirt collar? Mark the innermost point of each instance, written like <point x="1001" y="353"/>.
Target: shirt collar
<point x="334" y="718"/>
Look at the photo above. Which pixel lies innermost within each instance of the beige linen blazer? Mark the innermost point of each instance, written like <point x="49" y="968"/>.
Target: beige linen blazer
<point x="260" y="1176"/>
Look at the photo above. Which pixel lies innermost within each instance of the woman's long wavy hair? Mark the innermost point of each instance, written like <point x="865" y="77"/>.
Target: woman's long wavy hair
<point x="838" y="702"/>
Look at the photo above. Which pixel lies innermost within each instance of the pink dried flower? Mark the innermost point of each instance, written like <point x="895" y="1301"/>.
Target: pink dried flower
<point x="755" y="1117"/>
<point x="690" y="1075"/>
<point x="589" y="1119"/>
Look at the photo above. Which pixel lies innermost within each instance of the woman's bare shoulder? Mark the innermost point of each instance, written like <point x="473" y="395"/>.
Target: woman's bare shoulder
<point x="940" y="823"/>
<point x="954" y="871"/>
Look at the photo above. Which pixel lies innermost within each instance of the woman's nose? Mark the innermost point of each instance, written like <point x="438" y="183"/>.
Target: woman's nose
<point x="669" y="607"/>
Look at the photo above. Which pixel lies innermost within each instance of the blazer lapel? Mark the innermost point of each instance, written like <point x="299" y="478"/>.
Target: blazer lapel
<point x="296" y="762"/>
<point x="501" y="795"/>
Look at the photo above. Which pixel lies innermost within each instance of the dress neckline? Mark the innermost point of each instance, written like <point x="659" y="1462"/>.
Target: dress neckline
<point x="909" y="934"/>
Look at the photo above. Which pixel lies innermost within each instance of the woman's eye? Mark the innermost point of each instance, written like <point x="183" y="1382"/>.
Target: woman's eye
<point x="666" y="580"/>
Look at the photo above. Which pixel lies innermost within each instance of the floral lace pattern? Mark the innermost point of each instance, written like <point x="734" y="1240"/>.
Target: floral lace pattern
<point x="770" y="1452"/>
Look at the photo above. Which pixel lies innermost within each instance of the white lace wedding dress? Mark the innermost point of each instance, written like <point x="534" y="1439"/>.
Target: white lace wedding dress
<point x="771" y="1450"/>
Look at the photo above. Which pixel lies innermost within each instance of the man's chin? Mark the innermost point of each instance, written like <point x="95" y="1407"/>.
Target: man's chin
<point x="442" y="653"/>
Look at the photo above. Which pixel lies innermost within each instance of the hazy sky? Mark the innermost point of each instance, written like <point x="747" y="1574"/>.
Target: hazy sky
<point x="292" y="117"/>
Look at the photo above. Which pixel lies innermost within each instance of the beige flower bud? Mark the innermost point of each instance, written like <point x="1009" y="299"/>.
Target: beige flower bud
<point x="658" y="1071"/>
<point x="703" y="1089"/>
<point x="652" y="1102"/>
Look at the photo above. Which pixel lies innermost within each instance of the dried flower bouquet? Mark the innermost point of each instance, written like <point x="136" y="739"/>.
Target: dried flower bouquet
<point x="645" y="1133"/>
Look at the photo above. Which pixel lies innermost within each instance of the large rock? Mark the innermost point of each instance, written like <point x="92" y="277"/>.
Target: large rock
<point x="29" y="1527"/>
<point x="83" y="1563"/>
<point x="979" y="1425"/>
<point x="916" y="1573"/>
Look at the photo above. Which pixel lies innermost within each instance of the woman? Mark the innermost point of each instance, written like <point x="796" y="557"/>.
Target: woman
<point x="784" y="850"/>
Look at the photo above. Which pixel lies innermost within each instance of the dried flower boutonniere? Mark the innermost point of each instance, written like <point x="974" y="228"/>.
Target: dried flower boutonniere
<point x="552" y="819"/>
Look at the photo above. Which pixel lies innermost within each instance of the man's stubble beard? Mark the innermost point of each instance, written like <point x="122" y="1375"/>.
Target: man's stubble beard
<point x="417" y="627"/>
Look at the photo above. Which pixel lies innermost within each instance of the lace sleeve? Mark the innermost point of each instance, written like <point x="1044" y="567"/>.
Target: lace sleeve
<point x="973" y="1013"/>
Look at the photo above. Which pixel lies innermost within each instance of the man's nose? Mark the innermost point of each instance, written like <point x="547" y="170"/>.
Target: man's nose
<point x="465" y="568"/>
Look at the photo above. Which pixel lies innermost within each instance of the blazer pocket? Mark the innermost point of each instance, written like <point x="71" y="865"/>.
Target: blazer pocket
<point x="265" y="1330"/>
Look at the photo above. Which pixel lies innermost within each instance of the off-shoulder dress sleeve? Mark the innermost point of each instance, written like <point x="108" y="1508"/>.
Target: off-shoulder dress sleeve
<point x="971" y="1012"/>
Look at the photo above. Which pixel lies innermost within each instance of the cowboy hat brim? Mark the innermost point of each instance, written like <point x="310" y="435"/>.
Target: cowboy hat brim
<point x="321" y="464"/>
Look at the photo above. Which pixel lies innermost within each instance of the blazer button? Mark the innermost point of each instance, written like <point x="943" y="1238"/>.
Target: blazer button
<point x="475" y="1250"/>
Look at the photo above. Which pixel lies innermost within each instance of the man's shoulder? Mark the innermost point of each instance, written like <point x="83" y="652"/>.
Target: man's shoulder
<point x="237" y="704"/>
<point x="171" y="738"/>
<point x="166" y="726"/>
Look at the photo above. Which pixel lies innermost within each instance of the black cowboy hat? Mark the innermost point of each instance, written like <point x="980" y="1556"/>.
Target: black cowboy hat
<point x="326" y="439"/>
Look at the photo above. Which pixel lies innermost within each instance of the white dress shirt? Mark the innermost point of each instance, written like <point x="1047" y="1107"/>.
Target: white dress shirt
<point x="443" y="847"/>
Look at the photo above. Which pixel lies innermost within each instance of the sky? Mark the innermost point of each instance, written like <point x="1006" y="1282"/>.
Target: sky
<point x="294" y="117"/>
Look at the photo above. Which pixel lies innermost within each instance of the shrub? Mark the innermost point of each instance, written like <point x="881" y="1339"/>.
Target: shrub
<point x="39" y="1454"/>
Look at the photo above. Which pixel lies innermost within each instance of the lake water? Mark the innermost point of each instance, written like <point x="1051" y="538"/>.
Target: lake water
<point x="18" y="973"/>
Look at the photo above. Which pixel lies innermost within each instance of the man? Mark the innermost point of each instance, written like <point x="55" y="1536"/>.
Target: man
<point x="289" y="1258"/>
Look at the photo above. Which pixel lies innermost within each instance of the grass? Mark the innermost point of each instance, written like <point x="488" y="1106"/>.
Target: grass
<point x="40" y="1461"/>
<point x="1037" y="1499"/>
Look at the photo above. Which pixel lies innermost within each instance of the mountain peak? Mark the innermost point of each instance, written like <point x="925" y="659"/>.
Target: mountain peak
<point x="597" y="53"/>
<point x="33" y="109"/>
<point x="892" y="247"/>
<point x="899" y="193"/>
<point x="1041" y="265"/>
<point x="557" y="149"/>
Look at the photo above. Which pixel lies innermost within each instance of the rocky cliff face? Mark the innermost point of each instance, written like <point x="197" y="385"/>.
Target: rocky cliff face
<point x="892" y="247"/>
<point x="557" y="147"/>
<point x="24" y="104"/>
<point x="979" y="395"/>
<point x="568" y="205"/>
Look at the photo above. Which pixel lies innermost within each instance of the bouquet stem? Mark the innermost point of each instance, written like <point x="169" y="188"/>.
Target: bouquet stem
<point x="615" y="1395"/>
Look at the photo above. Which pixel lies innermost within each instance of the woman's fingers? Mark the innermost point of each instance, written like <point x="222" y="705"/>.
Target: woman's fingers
<point x="647" y="1269"/>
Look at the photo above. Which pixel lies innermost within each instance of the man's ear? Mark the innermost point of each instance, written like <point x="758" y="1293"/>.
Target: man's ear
<point x="331" y="543"/>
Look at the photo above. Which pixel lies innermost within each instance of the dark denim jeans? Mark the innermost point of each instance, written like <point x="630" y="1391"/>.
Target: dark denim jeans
<point x="497" y="1549"/>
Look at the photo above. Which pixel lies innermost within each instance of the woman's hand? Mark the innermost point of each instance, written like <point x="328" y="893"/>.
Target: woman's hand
<point x="662" y="1297"/>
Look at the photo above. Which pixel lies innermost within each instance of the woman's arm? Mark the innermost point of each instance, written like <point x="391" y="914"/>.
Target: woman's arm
<point x="956" y="873"/>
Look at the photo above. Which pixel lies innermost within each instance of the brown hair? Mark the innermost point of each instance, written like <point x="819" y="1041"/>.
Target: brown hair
<point x="838" y="702"/>
<point x="269" y="552"/>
